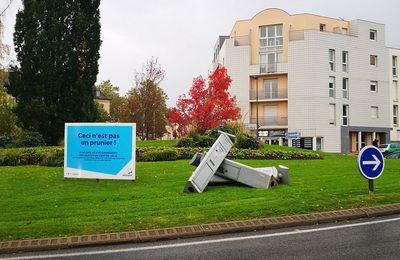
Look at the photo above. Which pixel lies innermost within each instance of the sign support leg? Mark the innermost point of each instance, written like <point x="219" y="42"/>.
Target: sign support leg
<point x="371" y="187"/>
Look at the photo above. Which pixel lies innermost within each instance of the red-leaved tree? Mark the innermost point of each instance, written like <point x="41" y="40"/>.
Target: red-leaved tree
<point x="205" y="106"/>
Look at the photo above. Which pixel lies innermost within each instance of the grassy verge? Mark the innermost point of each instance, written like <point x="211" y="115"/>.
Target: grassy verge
<point x="37" y="202"/>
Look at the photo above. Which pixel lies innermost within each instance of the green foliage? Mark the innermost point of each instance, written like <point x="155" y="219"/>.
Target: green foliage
<point x="28" y="139"/>
<point x="196" y="140"/>
<point x="224" y="128"/>
<point x="23" y="156"/>
<point x="186" y="141"/>
<point x="8" y="119"/>
<point x="53" y="159"/>
<point x="156" y="143"/>
<point x="53" y="156"/>
<point x="22" y="139"/>
<point x="101" y="114"/>
<point x="245" y="141"/>
<point x="159" y="155"/>
<point x="116" y="102"/>
<point x="57" y="45"/>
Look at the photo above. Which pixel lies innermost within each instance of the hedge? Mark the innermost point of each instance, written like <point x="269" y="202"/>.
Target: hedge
<point x="54" y="156"/>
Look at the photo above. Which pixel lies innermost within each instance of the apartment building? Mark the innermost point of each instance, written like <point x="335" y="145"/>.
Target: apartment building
<point x="394" y="56"/>
<point x="325" y="79"/>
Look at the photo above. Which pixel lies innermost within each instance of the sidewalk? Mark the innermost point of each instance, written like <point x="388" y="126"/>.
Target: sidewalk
<point x="197" y="230"/>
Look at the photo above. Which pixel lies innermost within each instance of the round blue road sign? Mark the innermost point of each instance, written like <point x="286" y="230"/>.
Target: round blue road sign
<point x="371" y="162"/>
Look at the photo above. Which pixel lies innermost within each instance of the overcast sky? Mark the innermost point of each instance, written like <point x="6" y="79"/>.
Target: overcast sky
<point x="182" y="33"/>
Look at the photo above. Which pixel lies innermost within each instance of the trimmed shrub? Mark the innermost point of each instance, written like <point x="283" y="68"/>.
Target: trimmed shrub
<point x="204" y="141"/>
<point x="54" y="156"/>
<point x="160" y="155"/>
<point x="54" y="159"/>
<point x="245" y="141"/>
<point x="224" y="128"/>
<point x="186" y="142"/>
<point x="196" y="140"/>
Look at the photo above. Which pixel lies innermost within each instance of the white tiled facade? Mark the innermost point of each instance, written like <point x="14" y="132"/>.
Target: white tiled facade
<point x="394" y="56"/>
<point x="307" y="70"/>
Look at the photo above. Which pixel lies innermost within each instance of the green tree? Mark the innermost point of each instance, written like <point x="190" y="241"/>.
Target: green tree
<point x="57" y="45"/>
<point x="116" y="103"/>
<point x="146" y="102"/>
<point x="8" y="120"/>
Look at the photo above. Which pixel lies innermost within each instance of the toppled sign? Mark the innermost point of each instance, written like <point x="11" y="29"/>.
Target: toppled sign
<point x="213" y="167"/>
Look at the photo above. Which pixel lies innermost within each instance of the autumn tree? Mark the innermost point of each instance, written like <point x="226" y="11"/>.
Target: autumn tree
<point x="205" y="106"/>
<point x="146" y="102"/>
<point x="57" y="45"/>
<point x="116" y="102"/>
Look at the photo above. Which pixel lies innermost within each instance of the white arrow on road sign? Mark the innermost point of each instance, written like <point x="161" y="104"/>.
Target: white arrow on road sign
<point x="376" y="162"/>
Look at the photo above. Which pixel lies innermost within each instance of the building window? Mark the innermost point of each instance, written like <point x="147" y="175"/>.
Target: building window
<point x="394" y="66"/>
<point x="332" y="59"/>
<point x="372" y="35"/>
<point x="373" y="60"/>
<point x="270" y="89"/>
<point x="374" y="112"/>
<point x="332" y="87"/>
<point x="322" y="27"/>
<point x="345" y="88"/>
<point x="271" y="47"/>
<point x="269" y="61"/>
<point x="345" y="115"/>
<point x="332" y="114"/>
<point x="345" y="61"/>
<point x="395" y="115"/>
<point x="373" y="86"/>
<point x="395" y="90"/>
<point x="271" y="36"/>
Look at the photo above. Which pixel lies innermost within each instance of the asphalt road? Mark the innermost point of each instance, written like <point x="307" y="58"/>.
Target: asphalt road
<point x="377" y="238"/>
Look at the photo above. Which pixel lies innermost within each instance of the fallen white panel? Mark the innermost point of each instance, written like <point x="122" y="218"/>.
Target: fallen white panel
<point x="210" y="163"/>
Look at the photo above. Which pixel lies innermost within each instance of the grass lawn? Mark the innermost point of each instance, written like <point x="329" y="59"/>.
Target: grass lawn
<point x="37" y="202"/>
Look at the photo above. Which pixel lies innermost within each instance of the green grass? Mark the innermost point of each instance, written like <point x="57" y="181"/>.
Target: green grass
<point x="156" y="143"/>
<point x="37" y="202"/>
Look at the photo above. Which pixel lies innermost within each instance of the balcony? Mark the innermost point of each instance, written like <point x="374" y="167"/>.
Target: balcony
<point x="270" y="121"/>
<point x="269" y="68"/>
<point x="241" y="40"/>
<point x="268" y="94"/>
<point x="298" y="35"/>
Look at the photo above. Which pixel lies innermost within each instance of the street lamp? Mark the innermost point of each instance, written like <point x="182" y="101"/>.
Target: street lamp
<point x="255" y="77"/>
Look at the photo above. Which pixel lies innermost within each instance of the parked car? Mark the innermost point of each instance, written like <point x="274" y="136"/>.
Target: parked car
<point x="394" y="155"/>
<point x="389" y="148"/>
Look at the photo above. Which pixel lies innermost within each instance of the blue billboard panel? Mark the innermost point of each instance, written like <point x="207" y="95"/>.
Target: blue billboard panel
<point x="100" y="150"/>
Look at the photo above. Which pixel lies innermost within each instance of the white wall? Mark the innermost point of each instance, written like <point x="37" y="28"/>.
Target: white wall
<point x="308" y="78"/>
<point x="236" y="59"/>
<point x="394" y="100"/>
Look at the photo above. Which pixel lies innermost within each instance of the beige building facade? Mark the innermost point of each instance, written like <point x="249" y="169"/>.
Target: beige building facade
<point x="322" y="78"/>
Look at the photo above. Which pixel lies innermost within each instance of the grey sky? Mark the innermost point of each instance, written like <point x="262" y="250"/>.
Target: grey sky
<point x="182" y="33"/>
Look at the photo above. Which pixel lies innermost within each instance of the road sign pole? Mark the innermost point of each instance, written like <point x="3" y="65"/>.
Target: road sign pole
<point x="371" y="187"/>
<point x="371" y="164"/>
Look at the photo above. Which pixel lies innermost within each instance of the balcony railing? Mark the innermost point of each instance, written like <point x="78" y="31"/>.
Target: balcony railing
<point x="268" y="94"/>
<point x="276" y="67"/>
<point x="241" y="40"/>
<point x="296" y="35"/>
<point x="270" y="121"/>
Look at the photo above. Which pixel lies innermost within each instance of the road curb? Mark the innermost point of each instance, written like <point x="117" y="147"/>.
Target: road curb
<point x="197" y="230"/>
